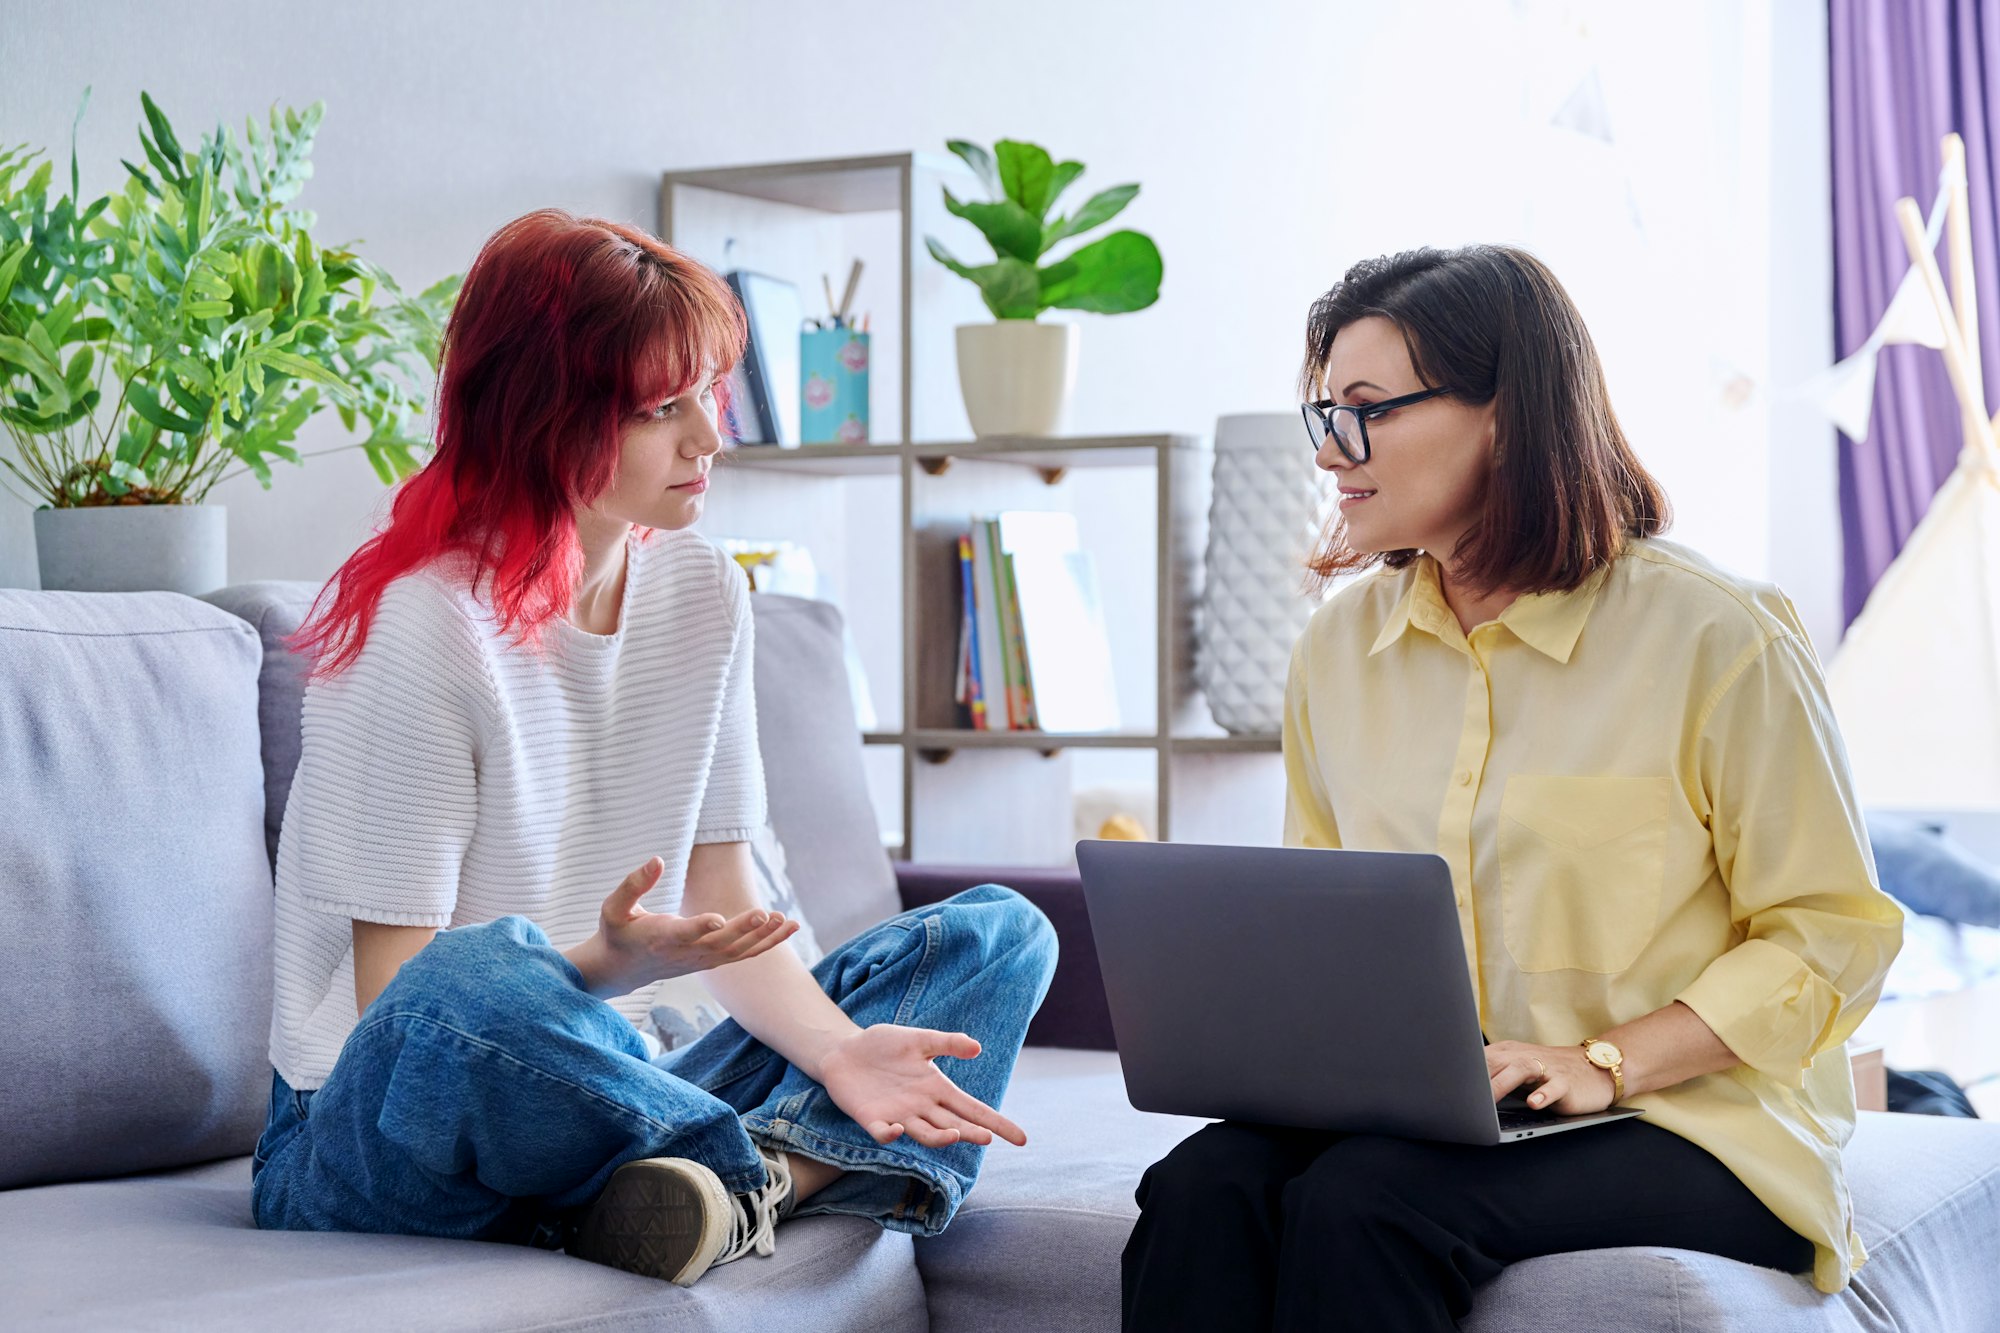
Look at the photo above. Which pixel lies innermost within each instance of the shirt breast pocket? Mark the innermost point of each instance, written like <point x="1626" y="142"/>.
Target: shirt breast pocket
<point x="1583" y="861"/>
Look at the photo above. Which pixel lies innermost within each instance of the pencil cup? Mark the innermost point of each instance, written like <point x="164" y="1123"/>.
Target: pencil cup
<point x="833" y="387"/>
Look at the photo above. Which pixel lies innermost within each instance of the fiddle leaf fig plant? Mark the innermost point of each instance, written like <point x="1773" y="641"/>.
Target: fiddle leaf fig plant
<point x="1111" y="275"/>
<point x="183" y="329"/>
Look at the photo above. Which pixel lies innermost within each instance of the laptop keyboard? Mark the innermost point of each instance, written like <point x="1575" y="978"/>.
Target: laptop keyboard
<point x="1520" y="1117"/>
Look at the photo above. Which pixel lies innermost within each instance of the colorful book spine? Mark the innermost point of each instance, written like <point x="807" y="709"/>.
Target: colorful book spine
<point x="992" y="641"/>
<point x="974" y="697"/>
<point x="1020" y="684"/>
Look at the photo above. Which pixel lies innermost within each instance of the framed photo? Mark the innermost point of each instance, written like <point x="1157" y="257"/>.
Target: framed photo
<point x="766" y="383"/>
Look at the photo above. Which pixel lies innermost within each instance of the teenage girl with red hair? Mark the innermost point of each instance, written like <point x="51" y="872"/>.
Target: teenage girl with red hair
<point x="534" y="678"/>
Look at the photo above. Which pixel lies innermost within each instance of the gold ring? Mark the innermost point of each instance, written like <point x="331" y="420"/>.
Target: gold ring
<point x="1544" y="1068"/>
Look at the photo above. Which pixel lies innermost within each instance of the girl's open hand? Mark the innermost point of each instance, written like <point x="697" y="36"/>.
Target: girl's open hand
<point x="634" y="947"/>
<point x="883" y="1077"/>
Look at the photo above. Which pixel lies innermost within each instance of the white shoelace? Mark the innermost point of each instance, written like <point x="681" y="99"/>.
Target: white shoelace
<point x="759" y="1211"/>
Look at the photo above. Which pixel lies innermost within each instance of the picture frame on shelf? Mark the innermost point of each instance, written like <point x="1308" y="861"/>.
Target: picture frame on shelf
<point x="765" y="386"/>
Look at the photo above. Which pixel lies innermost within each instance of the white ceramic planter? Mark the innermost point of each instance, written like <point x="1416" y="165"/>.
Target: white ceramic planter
<point x="1266" y="512"/>
<point x="133" y="548"/>
<point x="1017" y="375"/>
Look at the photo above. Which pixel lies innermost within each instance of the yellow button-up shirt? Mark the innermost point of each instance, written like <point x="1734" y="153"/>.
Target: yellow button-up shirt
<point x="1643" y="798"/>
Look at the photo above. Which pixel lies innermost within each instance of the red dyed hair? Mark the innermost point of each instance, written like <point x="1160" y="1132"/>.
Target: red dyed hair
<point x="564" y="328"/>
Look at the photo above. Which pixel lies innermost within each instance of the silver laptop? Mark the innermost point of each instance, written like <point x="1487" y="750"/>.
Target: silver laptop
<point x="1285" y="986"/>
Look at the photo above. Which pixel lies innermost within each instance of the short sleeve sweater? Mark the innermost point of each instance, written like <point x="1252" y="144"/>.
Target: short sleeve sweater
<point x="452" y="775"/>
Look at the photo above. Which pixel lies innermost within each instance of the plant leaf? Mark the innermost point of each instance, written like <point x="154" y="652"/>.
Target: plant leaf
<point x="1008" y="227"/>
<point x="163" y="129"/>
<point x="1027" y="174"/>
<point x="1065" y="172"/>
<point x="938" y="252"/>
<point x="147" y="405"/>
<point x="1008" y="285"/>
<point x="196" y="408"/>
<point x="170" y="171"/>
<point x="142" y="178"/>
<point x="1111" y="276"/>
<point x="380" y="463"/>
<point x="300" y="367"/>
<point x="1099" y="209"/>
<point x="981" y="163"/>
<point x="39" y="339"/>
<point x="80" y="366"/>
<point x="9" y="267"/>
<point x="75" y="190"/>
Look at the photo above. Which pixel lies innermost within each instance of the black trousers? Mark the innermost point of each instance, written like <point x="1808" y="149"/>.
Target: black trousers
<point x="1246" y="1227"/>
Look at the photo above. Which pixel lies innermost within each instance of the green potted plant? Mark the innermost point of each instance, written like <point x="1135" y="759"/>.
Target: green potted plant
<point x="166" y="337"/>
<point x="1017" y="374"/>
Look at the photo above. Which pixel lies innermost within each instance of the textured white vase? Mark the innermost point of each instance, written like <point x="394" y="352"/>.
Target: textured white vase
<point x="1266" y="512"/>
<point x="1017" y="375"/>
<point x="133" y="548"/>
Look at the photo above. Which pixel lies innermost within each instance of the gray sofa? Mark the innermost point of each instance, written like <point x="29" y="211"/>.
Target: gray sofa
<point x="146" y="745"/>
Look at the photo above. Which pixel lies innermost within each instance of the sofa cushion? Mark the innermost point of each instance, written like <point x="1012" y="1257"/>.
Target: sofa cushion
<point x="177" y="1250"/>
<point x="805" y="726"/>
<point x="137" y="906"/>
<point x="274" y="609"/>
<point x="1037" y="1242"/>
<point x="812" y="769"/>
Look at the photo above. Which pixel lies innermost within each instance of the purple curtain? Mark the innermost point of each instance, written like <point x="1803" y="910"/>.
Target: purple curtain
<point x="1904" y="72"/>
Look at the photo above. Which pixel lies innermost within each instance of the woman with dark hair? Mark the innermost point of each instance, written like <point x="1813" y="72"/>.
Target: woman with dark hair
<point x="1627" y="758"/>
<point x="531" y="680"/>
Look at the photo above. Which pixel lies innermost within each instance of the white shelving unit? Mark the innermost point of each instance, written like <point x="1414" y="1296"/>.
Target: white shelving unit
<point x="988" y="796"/>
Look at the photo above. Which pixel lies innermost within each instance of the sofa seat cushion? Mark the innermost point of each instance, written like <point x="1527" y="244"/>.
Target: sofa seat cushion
<point x="177" y="1250"/>
<point x="1037" y="1242"/>
<point x="1927" y="1204"/>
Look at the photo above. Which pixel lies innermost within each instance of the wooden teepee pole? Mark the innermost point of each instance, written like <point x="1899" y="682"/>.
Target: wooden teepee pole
<point x="1977" y="428"/>
<point x="1958" y="245"/>
<point x="1971" y="393"/>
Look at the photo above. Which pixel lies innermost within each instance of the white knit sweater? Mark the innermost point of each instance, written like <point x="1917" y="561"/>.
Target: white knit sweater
<point x="451" y="776"/>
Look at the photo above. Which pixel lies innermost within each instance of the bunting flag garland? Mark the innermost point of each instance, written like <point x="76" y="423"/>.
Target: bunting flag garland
<point x="1845" y="391"/>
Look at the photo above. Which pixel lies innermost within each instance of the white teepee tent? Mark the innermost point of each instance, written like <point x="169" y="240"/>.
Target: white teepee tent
<point x="1916" y="682"/>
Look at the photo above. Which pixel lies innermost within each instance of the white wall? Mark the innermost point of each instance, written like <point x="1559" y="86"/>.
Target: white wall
<point x="1805" y="476"/>
<point x="1276" y="146"/>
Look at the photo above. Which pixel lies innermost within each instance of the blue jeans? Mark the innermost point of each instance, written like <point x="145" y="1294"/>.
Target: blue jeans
<point x="485" y="1095"/>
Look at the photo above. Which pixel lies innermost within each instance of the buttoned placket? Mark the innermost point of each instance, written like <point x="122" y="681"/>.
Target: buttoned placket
<point x="1475" y="743"/>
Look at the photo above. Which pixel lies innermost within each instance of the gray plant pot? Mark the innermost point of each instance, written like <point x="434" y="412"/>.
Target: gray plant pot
<point x="133" y="548"/>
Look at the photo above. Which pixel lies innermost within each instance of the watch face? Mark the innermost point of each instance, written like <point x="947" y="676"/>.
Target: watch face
<point x="1602" y="1054"/>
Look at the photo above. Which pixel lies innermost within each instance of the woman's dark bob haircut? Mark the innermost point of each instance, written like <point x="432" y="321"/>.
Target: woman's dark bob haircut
<point x="1492" y="324"/>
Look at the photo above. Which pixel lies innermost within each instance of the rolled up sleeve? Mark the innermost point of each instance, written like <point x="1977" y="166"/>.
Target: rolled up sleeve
<point x="1309" y="820"/>
<point x="1818" y="934"/>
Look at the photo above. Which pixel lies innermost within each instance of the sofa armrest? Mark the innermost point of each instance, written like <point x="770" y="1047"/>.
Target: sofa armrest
<point x="1074" y="1014"/>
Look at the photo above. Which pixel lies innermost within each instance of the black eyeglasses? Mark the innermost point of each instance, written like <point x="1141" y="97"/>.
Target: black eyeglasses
<point x="1348" y="422"/>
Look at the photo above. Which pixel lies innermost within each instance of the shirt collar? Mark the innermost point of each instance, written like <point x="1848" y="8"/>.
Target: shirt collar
<point x="1548" y="622"/>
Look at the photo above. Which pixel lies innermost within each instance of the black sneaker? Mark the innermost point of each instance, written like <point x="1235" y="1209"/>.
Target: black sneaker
<point x="672" y="1218"/>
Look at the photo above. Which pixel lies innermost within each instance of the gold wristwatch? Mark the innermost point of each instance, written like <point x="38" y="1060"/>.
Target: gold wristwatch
<point x="1611" y="1060"/>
